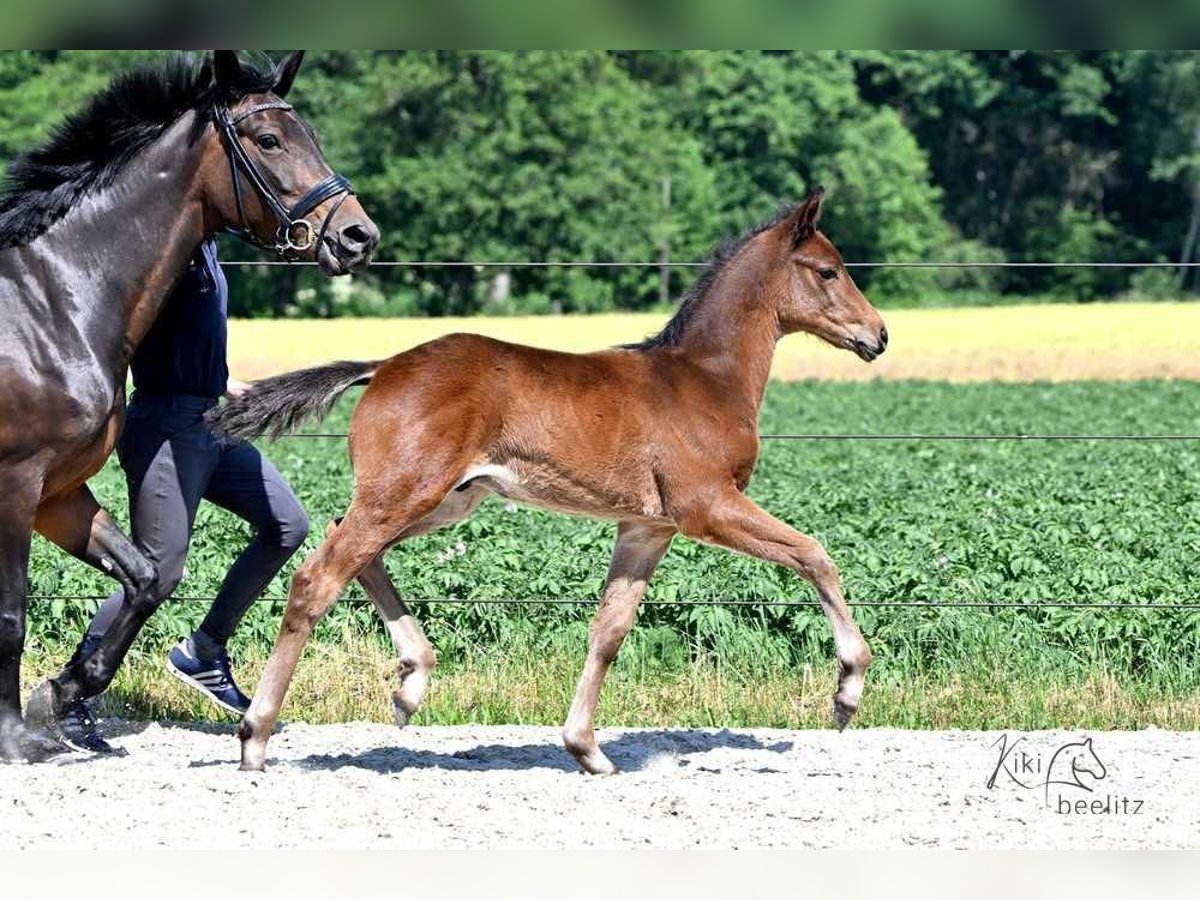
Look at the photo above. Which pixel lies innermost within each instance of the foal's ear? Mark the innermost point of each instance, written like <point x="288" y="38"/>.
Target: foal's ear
<point x="803" y="220"/>
<point x="227" y="70"/>
<point x="285" y="74"/>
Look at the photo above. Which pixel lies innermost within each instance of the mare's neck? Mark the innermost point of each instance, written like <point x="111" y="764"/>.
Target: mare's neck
<point x="734" y="330"/>
<point x="123" y="248"/>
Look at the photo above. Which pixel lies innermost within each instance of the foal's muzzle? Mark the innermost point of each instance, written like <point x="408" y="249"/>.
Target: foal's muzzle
<point x="869" y="351"/>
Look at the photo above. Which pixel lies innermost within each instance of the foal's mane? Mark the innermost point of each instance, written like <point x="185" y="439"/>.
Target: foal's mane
<point x="89" y="148"/>
<point x="672" y="332"/>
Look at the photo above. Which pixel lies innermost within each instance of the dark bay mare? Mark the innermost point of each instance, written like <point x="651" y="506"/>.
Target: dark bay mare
<point x="661" y="437"/>
<point x="95" y="228"/>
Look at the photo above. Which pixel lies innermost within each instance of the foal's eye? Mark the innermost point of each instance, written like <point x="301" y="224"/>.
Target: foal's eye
<point x="268" y="142"/>
<point x="827" y="274"/>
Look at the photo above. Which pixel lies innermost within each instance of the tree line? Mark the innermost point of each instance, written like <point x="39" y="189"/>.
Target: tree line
<point x="957" y="156"/>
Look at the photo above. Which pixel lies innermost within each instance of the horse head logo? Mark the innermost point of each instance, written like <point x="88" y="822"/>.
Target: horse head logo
<point x="1076" y="765"/>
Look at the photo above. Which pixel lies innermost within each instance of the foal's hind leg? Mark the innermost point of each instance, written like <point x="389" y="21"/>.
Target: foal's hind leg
<point x="368" y="529"/>
<point x="735" y="522"/>
<point x="636" y="556"/>
<point x="415" y="655"/>
<point x="315" y="587"/>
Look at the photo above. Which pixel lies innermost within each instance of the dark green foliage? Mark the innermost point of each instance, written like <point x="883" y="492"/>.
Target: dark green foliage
<point x="944" y="155"/>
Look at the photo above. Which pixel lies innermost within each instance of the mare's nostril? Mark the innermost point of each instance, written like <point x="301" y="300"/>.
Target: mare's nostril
<point x="355" y="237"/>
<point x="882" y="339"/>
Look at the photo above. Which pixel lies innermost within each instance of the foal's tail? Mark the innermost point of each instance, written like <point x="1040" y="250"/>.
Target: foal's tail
<point x="276" y="406"/>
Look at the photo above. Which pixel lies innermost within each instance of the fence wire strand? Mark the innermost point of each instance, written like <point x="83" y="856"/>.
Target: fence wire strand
<point x="806" y="604"/>
<point x="817" y="436"/>
<point x="623" y="264"/>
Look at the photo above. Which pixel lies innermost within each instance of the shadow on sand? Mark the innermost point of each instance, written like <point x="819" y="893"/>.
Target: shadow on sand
<point x="631" y="751"/>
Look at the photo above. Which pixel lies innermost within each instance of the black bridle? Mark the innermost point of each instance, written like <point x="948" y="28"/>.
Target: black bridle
<point x="296" y="233"/>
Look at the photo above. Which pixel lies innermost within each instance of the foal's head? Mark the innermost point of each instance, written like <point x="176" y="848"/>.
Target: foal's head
<point x="812" y="290"/>
<point x="267" y="176"/>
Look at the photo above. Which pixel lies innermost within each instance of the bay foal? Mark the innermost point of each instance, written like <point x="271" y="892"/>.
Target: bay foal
<point x="661" y="436"/>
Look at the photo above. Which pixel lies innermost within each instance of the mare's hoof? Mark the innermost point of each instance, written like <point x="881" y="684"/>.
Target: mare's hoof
<point x="21" y="744"/>
<point x="41" y="712"/>
<point x="39" y="746"/>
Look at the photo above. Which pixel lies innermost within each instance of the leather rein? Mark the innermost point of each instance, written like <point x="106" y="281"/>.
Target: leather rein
<point x="296" y="233"/>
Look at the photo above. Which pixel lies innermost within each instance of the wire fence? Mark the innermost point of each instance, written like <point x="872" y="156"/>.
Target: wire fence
<point x="819" y="436"/>
<point x="1157" y="606"/>
<point x="1178" y="606"/>
<point x="632" y="264"/>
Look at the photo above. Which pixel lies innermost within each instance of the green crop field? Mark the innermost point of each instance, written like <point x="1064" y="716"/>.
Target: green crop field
<point x="906" y="520"/>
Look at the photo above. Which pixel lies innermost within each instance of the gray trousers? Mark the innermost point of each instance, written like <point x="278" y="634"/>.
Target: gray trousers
<point x="172" y="461"/>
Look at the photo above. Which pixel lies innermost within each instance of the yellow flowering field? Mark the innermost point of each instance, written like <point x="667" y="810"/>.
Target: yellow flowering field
<point x="1053" y="342"/>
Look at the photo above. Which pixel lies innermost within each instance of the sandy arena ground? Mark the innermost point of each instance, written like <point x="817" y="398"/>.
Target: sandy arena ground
<point x="360" y="785"/>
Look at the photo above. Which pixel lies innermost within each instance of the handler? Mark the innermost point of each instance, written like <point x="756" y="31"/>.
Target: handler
<point x="172" y="460"/>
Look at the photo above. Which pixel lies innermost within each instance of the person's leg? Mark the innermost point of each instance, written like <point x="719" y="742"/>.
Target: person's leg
<point x="248" y="485"/>
<point x="251" y="487"/>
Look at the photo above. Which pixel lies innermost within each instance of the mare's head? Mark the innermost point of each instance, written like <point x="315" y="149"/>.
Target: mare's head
<point x="811" y="289"/>
<point x="266" y="176"/>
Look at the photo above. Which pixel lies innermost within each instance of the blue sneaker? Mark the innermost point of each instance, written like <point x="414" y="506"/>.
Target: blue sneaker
<point x="210" y="677"/>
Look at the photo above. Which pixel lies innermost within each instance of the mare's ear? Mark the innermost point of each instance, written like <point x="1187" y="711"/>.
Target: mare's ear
<point x="227" y="70"/>
<point x="804" y="218"/>
<point x="285" y="74"/>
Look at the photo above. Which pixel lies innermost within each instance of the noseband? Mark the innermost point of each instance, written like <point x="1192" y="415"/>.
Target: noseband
<point x="296" y="233"/>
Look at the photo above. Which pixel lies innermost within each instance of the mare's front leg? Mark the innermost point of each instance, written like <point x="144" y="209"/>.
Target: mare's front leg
<point x="735" y="522"/>
<point x="639" y="549"/>
<point x="78" y="524"/>
<point x="19" y="489"/>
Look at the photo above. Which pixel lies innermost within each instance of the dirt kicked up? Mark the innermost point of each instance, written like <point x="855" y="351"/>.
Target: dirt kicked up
<point x="359" y="785"/>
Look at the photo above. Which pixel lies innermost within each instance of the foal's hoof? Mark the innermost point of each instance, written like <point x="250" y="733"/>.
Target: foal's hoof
<point x="41" y="712"/>
<point x="254" y="751"/>
<point x="595" y="763"/>
<point x="842" y="713"/>
<point x="400" y="713"/>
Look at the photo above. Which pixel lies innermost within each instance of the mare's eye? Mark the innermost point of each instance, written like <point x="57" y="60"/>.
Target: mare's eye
<point x="827" y="274"/>
<point x="268" y="142"/>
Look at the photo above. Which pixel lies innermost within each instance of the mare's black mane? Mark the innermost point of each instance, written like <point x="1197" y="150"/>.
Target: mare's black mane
<point x="90" y="147"/>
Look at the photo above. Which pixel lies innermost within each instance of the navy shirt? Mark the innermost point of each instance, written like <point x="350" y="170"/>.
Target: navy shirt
<point x="184" y="352"/>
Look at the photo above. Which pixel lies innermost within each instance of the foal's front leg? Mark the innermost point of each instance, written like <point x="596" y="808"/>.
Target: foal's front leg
<point x="637" y="554"/>
<point x="735" y="522"/>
